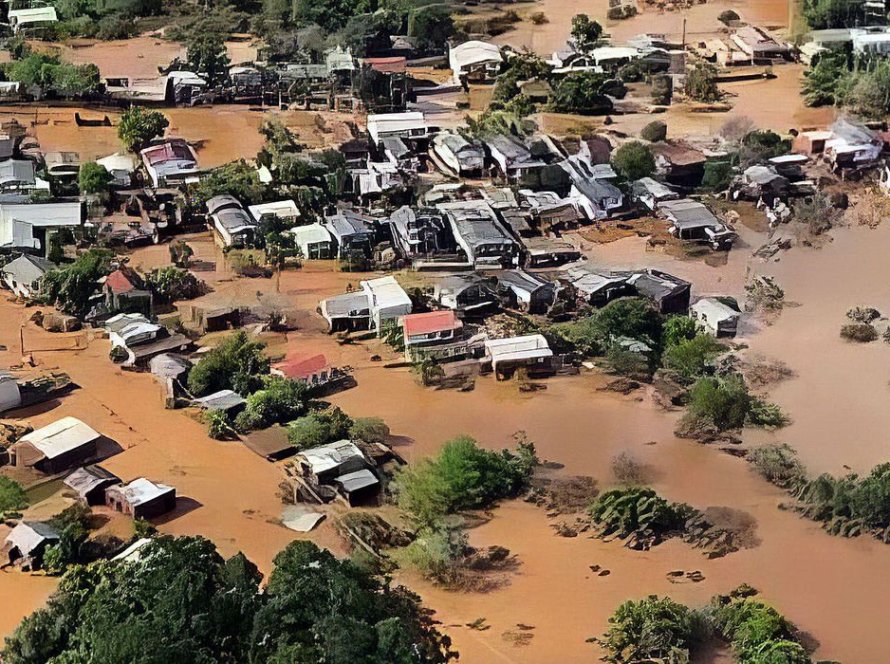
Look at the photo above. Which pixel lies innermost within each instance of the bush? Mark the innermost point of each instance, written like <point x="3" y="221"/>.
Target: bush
<point x="859" y="332"/>
<point x="691" y="358"/>
<point x="679" y="328"/>
<point x="654" y="132"/>
<point x="69" y="289"/>
<point x="626" y="469"/>
<point x="633" y="365"/>
<point x="281" y="400"/>
<point x="237" y="363"/>
<point x="238" y="179"/>
<point x="138" y="126"/>
<point x="863" y="314"/>
<point x="93" y="178"/>
<point x="634" y="160"/>
<point x="462" y="476"/>
<point x="630" y="317"/>
<point x="319" y="428"/>
<point x="171" y="283"/>
<point x="721" y="402"/>
<point x="218" y="425"/>
<point x="369" y="430"/>
<point x="655" y="629"/>
<point x="717" y="175"/>
<point x="638" y="512"/>
<point x="728" y="16"/>
<point x="701" y="84"/>
<point x="539" y="18"/>
<point x="12" y="497"/>
<point x="436" y="553"/>
<point x="757" y="632"/>
<point x="778" y="464"/>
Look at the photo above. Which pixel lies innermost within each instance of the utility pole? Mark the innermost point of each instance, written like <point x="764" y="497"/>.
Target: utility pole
<point x="684" y="33"/>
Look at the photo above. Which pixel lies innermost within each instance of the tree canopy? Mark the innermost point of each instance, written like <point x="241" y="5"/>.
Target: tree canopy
<point x="138" y="126"/>
<point x="634" y="160"/>
<point x="237" y="363"/>
<point x="207" y="55"/>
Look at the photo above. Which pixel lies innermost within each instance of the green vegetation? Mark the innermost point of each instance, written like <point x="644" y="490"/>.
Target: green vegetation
<point x="691" y="358"/>
<point x="69" y="288"/>
<point x="584" y="93"/>
<point x="655" y="629"/>
<point x="717" y="175"/>
<point x="586" y="33"/>
<point x="319" y="428"/>
<point x="629" y="317"/>
<point x="180" y="253"/>
<point x="639" y="515"/>
<point x="237" y="363"/>
<point x="138" y="127"/>
<point x="431" y="26"/>
<point x="369" y="429"/>
<point x="701" y="84"/>
<point x="189" y="604"/>
<point x="93" y="179"/>
<point x="279" y="401"/>
<point x="859" y="85"/>
<point x="633" y="160"/>
<point x="463" y="476"/>
<point x="825" y="14"/>
<point x="12" y="497"/>
<point x="170" y="284"/>
<point x="51" y="76"/>
<point x="207" y="56"/>
<point x="724" y="403"/>
<point x="237" y="178"/>
<point x="760" y="146"/>
<point x="779" y="465"/>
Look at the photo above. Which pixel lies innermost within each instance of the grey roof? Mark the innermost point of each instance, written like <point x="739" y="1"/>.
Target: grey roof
<point x="456" y="143"/>
<point x="83" y="480"/>
<point x="27" y="269"/>
<point x="657" y="285"/>
<point x="346" y="223"/>
<point x="457" y="283"/>
<point x="168" y="365"/>
<point x="652" y="187"/>
<point x="395" y="146"/>
<point x="220" y="202"/>
<point x="234" y="220"/>
<point x="525" y="281"/>
<point x="597" y="190"/>
<point x="356" y="480"/>
<point x="475" y="222"/>
<point x="17" y="170"/>
<point x="686" y="213"/>
<point x="340" y="306"/>
<point x="510" y="147"/>
<point x="223" y="400"/>
<point x="28" y="535"/>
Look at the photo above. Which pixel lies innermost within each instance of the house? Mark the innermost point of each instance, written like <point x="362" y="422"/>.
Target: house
<point x="358" y="487"/>
<point x="435" y="334"/>
<point x="34" y="17"/>
<point x="230" y="220"/>
<point x="285" y="210"/>
<point x="170" y="163"/>
<point x="315" y="370"/>
<point x="456" y="155"/>
<point x="652" y="193"/>
<point x="757" y="44"/>
<point x="27" y="542"/>
<point x="599" y="199"/>
<point x="694" y="222"/>
<point x="357" y="151"/>
<point x="89" y="484"/>
<point x="351" y="231"/>
<point x="474" y="61"/>
<point x="399" y="153"/>
<point x="811" y="142"/>
<point x="871" y="40"/>
<point x="21" y="274"/>
<point x="549" y="252"/>
<point x="125" y="292"/>
<point x="410" y="126"/>
<point x="228" y="402"/>
<point x="17" y="176"/>
<point x="314" y="241"/>
<point x="132" y="329"/>
<point x="679" y="164"/>
<point x="506" y="355"/>
<point x="10" y="394"/>
<point x="597" y="288"/>
<point x="206" y="318"/>
<point x="21" y="393"/>
<point x="338" y="469"/>
<point x="121" y="167"/>
<point x="761" y="182"/>
<point x="477" y="231"/>
<point x="423" y="233"/>
<point x="852" y="145"/>
<point x="668" y="293"/>
<point x="466" y="294"/>
<point x="349" y="312"/>
<point x="28" y="225"/>
<point x="387" y="300"/>
<point x="719" y="316"/>
<point x="141" y="498"/>
<point x="512" y="158"/>
<point x="526" y="291"/>
<point x="169" y="366"/>
<point x="64" y="444"/>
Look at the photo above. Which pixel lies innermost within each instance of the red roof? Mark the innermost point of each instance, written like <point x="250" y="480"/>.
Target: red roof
<point x="434" y="321"/>
<point x="301" y="366"/>
<point x="393" y="65"/>
<point x="119" y="282"/>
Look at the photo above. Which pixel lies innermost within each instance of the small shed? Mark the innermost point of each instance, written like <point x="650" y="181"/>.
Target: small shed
<point x="514" y="352"/>
<point x="64" y="444"/>
<point x="21" y="274"/>
<point x="358" y="487"/>
<point x="718" y="316"/>
<point x="225" y="401"/>
<point x="328" y="462"/>
<point x="27" y="542"/>
<point x="90" y="482"/>
<point x="141" y="498"/>
<point x="526" y="291"/>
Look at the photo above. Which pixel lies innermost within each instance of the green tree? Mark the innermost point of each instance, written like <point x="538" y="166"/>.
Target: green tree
<point x="69" y="288"/>
<point x="237" y="363"/>
<point x="701" y="83"/>
<point x="826" y="14"/>
<point x="634" y="160"/>
<point x="12" y="496"/>
<point x="369" y="430"/>
<point x="828" y="81"/>
<point x="691" y="358"/>
<point x="280" y="400"/>
<point x="679" y="328"/>
<point x="721" y="402"/>
<point x="649" y="630"/>
<point x="170" y="283"/>
<point x="207" y="56"/>
<point x="869" y="95"/>
<point x="432" y="26"/>
<point x="138" y="127"/>
<point x="93" y="178"/>
<point x="585" y="33"/>
<point x="581" y="92"/>
<point x="319" y="428"/>
<point x="237" y="178"/>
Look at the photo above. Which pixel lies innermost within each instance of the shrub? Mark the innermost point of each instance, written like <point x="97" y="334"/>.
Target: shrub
<point x="171" y="283"/>
<point x="654" y="132"/>
<point x="859" y="332"/>
<point x="281" y="400"/>
<point x="369" y="430"/>
<point x="655" y="629"/>
<point x="626" y="469"/>
<point x="319" y="428"/>
<point x="778" y="464"/>
<point x="692" y="357"/>
<point x="630" y="317"/>
<point x="539" y="18"/>
<point x="634" y="365"/>
<point x="721" y="402"/>
<point x="728" y="16"/>
<point x="701" y="83"/>
<point x="717" y="175"/>
<point x="679" y="328"/>
<point x="757" y="632"/>
<point x="237" y="363"/>
<point x="218" y="425"/>
<point x="863" y="314"/>
<point x="12" y="496"/>
<point x="585" y="93"/>
<point x="634" y="160"/>
<point x="436" y="553"/>
<point x="93" y="178"/>
<point x="69" y="289"/>
<point x="638" y="512"/>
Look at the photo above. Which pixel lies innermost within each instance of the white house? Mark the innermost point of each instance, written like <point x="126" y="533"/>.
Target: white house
<point x="475" y="59"/>
<point x="387" y="299"/>
<point x="34" y="17"/>
<point x="517" y="351"/>
<point x="716" y="315"/>
<point x="25" y="225"/>
<point x="21" y="275"/>
<point x="314" y="241"/>
<point x="410" y="125"/>
<point x="285" y="210"/>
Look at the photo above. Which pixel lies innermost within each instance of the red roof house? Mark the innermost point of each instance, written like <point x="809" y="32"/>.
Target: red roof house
<point x="433" y="325"/>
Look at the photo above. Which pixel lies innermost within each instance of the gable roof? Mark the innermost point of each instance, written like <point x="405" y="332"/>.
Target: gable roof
<point x="84" y="480"/>
<point x="301" y="366"/>
<point x="428" y="323"/>
<point x="62" y="436"/>
<point x="141" y="491"/>
<point x="27" y="268"/>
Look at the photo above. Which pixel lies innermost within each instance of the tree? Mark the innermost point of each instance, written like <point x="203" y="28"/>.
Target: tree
<point x="677" y="329"/>
<point x="701" y="83"/>
<point x="52" y="76"/>
<point x="634" y="160"/>
<point x="12" y="496"/>
<point x="280" y="400"/>
<point x="721" y="402"/>
<point x="690" y="358"/>
<point x="369" y="430"/>
<point x="180" y="253"/>
<point x="172" y="283"/>
<point x="585" y="33"/>
<point x="648" y="630"/>
<point x="138" y="126"/>
<point x="432" y="26"/>
<point x="869" y="95"/>
<point x="827" y="14"/>
<point x="582" y="92"/>
<point x="69" y="288"/>
<point x="94" y="178"/>
<point x="237" y="178"/>
<point x="237" y="363"/>
<point x="319" y="428"/>
<point x="207" y="56"/>
<point x="828" y="81"/>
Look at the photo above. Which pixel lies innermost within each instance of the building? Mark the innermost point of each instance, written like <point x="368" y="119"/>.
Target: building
<point x="131" y="329"/>
<point x="224" y="401"/>
<point x="285" y="210"/>
<point x="349" y="312"/>
<point x="314" y="241"/>
<point x="719" y="316"/>
<point x="28" y="225"/>
<point x="852" y="145"/>
<point x="694" y="222"/>
<point x="526" y="291"/>
<point x="89" y="484"/>
<point x="513" y="159"/>
<point x="230" y="220"/>
<point x="170" y="163"/>
<point x="598" y="199"/>
<point x="474" y="61"/>
<point x="21" y="275"/>
<point x="387" y="300"/>
<point x="669" y="294"/>
<point x="315" y="370"/>
<point x="436" y="334"/>
<point x="17" y="176"/>
<point x="125" y="291"/>
<point x="409" y="126"/>
<point x="477" y="231"/>
<point x="549" y="252"/>
<point x="652" y="193"/>
<point x="64" y="444"/>
<point x="466" y="294"/>
<point x="456" y="155"/>
<point x="424" y="233"/>
<point x="34" y="17"/>
<point x="678" y="164"/>
<point x="26" y="543"/>
<point x="352" y="232"/>
<point x="757" y="44"/>
<point x="121" y="167"/>
<point x="141" y="498"/>
<point x="507" y="355"/>
<point x="596" y="288"/>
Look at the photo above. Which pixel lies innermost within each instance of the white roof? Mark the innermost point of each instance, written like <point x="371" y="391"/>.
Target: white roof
<point x="132" y="553"/>
<point x="27" y="536"/>
<point x="118" y="162"/>
<point x="714" y="309"/>
<point x="310" y="234"/>
<point x="60" y="437"/>
<point x="474" y="52"/>
<point x="328" y="457"/>
<point x="33" y="15"/>
<point x="528" y="347"/>
<point x="394" y="122"/>
<point x="286" y="208"/>
<point x="386" y="293"/>
<point x="614" y="53"/>
<point x="42" y="214"/>
<point x="141" y="491"/>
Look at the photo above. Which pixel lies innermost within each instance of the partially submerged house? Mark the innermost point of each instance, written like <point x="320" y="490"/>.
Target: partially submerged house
<point x="669" y="294"/>
<point x="284" y="210"/>
<point x="141" y="498"/>
<point x="314" y="370"/>
<point x="530" y="352"/>
<point x="718" y="316"/>
<point x="27" y="542"/>
<point x="410" y="126"/>
<point x="477" y="231"/>
<point x="421" y="234"/>
<point x="513" y="159"/>
<point x="125" y="291"/>
<point x="694" y="222"/>
<point x="387" y="300"/>
<point x="64" y="444"/>
<point x="223" y="401"/>
<point x="28" y="225"/>
<point x="351" y="231"/>
<point x="314" y="241"/>
<point x="549" y="252"/>
<point x="475" y="62"/>
<point x="349" y="312"/>
<point x="31" y="17"/>
<point x="20" y="392"/>
<point x="596" y="288"/>
<point x="456" y="155"/>
<point x="89" y="484"/>
<point x="679" y="164"/>
<point x="436" y="334"/>
<point x="233" y="225"/>
<point x="466" y="294"/>
<point x="852" y="145"/>
<point x="599" y="199"/>
<point x="337" y="469"/>
<point x="170" y="163"/>
<point x="653" y="193"/>
<point x="758" y="44"/>
<point x="21" y="275"/>
<point x="526" y="291"/>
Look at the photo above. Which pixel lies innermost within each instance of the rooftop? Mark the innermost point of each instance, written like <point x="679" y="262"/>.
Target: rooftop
<point x="62" y="436"/>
